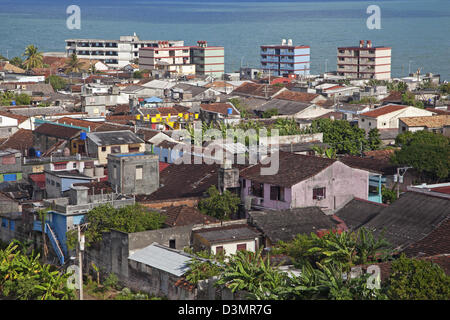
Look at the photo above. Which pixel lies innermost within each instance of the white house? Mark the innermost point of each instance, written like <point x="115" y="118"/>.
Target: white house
<point x="387" y="117"/>
<point x="10" y="123"/>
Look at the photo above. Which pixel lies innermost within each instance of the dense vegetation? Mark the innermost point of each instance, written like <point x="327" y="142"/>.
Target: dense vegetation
<point x="345" y="138"/>
<point x="427" y="152"/>
<point x="56" y="82"/>
<point x="220" y="206"/>
<point x="132" y="218"/>
<point x="325" y="264"/>
<point x="21" y="99"/>
<point x="23" y="277"/>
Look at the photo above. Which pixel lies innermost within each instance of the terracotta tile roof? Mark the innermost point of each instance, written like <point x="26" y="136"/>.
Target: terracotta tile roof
<point x="358" y="212"/>
<point x="285" y="225"/>
<point x="297" y="96"/>
<point x="218" y="84"/>
<point x="195" y="179"/>
<point x="184" y="215"/>
<point x="121" y="109"/>
<point x="218" y="107"/>
<point x="409" y="219"/>
<point x="369" y="164"/>
<point x="57" y="131"/>
<point x="438" y="111"/>
<point x="79" y="122"/>
<point x="380" y="154"/>
<point x="383" y="110"/>
<point x="394" y="96"/>
<point x="18" y="117"/>
<point x="293" y="168"/>
<point x="332" y="115"/>
<point x="228" y="233"/>
<point x="436" y="242"/>
<point x="21" y="140"/>
<point x="110" y="127"/>
<point x="258" y="90"/>
<point x="438" y="121"/>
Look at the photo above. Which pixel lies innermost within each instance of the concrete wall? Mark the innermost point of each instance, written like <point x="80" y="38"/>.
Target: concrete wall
<point x="341" y="183"/>
<point x="123" y="173"/>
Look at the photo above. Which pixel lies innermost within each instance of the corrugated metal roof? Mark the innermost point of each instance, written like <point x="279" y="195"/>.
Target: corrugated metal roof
<point x="162" y="258"/>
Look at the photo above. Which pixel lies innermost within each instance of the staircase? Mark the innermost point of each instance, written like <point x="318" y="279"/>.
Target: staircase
<point x="55" y="243"/>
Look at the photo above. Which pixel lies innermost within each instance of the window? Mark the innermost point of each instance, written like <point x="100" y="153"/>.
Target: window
<point x="242" y="246"/>
<point x="276" y="193"/>
<point x="370" y="124"/>
<point x="58" y="184"/>
<point x="319" y="193"/>
<point x="258" y="190"/>
<point x="53" y="182"/>
<point x="74" y="165"/>
<point x="4" y="223"/>
<point x="115" y="172"/>
<point x="103" y="149"/>
<point x="138" y="172"/>
<point x="172" y="243"/>
<point x="362" y="120"/>
<point x="219" y="249"/>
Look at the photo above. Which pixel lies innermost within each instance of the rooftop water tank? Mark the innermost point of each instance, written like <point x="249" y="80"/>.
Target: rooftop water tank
<point x="230" y="110"/>
<point x="83" y="135"/>
<point x="38" y="153"/>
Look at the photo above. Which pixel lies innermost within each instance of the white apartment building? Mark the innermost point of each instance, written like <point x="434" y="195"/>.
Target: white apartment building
<point x="115" y="53"/>
<point x="364" y="62"/>
<point x="172" y="59"/>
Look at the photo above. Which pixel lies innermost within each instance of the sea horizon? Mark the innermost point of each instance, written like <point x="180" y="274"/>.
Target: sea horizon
<point x="414" y="29"/>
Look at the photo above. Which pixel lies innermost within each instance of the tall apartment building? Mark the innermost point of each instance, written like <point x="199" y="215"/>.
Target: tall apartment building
<point x="171" y="59"/>
<point x="114" y="53"/>
<point x="208" y="60"/>
<point x="364" y="62"/>
<point x="284" y="59"/>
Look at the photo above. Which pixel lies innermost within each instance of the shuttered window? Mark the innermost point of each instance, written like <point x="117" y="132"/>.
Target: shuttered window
<point x="242" y="246"/>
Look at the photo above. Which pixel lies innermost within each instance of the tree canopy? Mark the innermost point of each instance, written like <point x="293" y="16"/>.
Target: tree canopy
<point x="414" y="279"/>
<point x="132" y="218"/>
<point x="427" y="152"/>
<point x="33" y="59"/>
<point x="23" y="277"/>
<point x="58" y="83"/>
<point x="343" y="137"/>
<point x="220" y="206"/>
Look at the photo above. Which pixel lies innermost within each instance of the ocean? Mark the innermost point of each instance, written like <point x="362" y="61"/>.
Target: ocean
<point x="417" y="30"/>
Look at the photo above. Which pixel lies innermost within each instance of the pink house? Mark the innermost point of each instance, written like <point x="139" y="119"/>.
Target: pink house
<point x="304" y="181"/>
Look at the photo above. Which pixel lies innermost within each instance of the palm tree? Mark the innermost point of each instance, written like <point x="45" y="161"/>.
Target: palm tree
<point x="34" y="57"/>
<point x="73" y="65"/>
<point x="93" y="69"/>
<point x="43" y="216"/>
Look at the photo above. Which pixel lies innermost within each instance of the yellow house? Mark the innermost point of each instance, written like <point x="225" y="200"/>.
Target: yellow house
<point x="100" y="144"/>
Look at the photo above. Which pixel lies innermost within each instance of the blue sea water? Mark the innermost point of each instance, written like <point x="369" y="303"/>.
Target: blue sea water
<point x="417" y="30"/>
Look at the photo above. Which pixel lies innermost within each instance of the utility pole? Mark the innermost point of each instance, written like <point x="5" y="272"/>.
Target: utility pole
<point x="399" y="177"/>
<point x="80" y="261"/>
